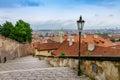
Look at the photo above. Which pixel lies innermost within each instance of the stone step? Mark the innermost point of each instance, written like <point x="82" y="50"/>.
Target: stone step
<point x="14" y="61"/>
<point x="23" y="59"/>
<point x="57" y="73"/>
<point x="29" y="68"/>
<point x="24" y="65"/>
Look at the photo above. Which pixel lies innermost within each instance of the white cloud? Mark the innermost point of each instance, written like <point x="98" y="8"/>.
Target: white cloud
<point x="52" y="17"/>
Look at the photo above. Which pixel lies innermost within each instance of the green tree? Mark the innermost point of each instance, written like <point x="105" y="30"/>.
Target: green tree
<point x="6" y="29"/>
<point x="119" y="39"/>
<point x="113" y="40"/>
<point x="24" y="31"/>
<point x="0" y="28"/>
<point x="20" y="32"/>
<point x="12" y="33"/>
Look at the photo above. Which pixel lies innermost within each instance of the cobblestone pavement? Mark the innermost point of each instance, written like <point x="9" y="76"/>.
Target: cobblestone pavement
<point x="29" y="68"/>
<point x="23" y="63"/>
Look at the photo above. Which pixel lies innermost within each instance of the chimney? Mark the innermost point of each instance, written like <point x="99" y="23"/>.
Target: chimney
<point x="95" y="36"/>
<point x="45" y="41"/>
<point x="71" y="40"/>
<point x="84" y="35"/>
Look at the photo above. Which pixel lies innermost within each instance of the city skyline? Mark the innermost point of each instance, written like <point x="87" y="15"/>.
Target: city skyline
<point x="55" y="14"/>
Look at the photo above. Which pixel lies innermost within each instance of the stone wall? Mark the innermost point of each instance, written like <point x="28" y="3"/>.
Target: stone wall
<point x="102" y="70"/>
<point x="10" y="49"/>
<point x="99" y="70"/>
<point x="25" y="49"/>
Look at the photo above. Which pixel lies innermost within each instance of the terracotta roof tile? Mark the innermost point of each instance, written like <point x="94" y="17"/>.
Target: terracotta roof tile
<point x="35" y="45"/>
<point x="69" y="50"/>
<point x="99" y="41"/>
<point x="48" y="46"/>
<point x="73" y="50"/>
<point x="102" y="48"/>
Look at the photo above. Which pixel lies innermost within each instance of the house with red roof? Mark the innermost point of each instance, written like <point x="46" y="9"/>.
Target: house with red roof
<point x="85" y="50"/>
<point x="90" y="45"/>
<point x="45" y="48"/>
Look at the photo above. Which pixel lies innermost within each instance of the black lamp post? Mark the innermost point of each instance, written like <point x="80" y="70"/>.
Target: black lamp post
<point x="80" y="24"/>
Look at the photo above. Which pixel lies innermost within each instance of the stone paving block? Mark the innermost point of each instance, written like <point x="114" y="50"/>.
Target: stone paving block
<point x="29" y="68"/>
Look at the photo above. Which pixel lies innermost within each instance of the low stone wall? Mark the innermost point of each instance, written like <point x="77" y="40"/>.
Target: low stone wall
<point x="99" y="70"/>
<point x="102" y="70"/>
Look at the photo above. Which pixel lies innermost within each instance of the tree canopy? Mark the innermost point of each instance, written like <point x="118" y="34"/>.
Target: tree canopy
<point x="20" y="32"/>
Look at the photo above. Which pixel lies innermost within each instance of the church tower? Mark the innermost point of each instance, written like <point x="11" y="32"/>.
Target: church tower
<point x="61" y="33"/>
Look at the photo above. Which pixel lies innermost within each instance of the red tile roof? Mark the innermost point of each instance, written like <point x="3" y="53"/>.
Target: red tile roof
<point x="73" y="50"/>
<point x="105" y="51"/>
<point x="102" y="47"/>
<point x="35" y="45"/>
<point x="48" y="46"/>
<point x="99" y="41"/>
<point x="65" y="37"/>
<point x="116" y="45"/>
<point x="69" y="50"/>
<point x="50" y="41"/>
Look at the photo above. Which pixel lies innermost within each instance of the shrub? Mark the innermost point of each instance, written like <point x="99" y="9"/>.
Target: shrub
<point x="63" y="54"/>
<point x="88" y="53"/>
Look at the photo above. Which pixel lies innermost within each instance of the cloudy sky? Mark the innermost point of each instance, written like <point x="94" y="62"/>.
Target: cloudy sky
<point x="56" y="14"/>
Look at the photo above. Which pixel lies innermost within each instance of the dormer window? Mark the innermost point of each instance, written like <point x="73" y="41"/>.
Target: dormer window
<point x="97" y="42"/>
<point x="101" y="41"/>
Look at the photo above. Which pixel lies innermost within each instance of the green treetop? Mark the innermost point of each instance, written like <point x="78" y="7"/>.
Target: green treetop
<point x="20" y="32"/>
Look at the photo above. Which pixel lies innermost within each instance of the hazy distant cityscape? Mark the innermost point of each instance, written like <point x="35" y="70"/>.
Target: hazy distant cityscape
<point x="89" y="31"/>
<point x="59" y="39"/>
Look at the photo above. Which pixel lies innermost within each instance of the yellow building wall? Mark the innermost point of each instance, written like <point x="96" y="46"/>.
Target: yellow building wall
<point x="45" y="53"/>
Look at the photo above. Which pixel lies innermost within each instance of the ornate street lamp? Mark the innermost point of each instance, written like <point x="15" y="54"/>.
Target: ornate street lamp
<point x="80" y="24"/>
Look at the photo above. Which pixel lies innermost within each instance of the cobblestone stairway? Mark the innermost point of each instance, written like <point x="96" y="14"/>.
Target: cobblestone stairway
<point x="29" y="68"/>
